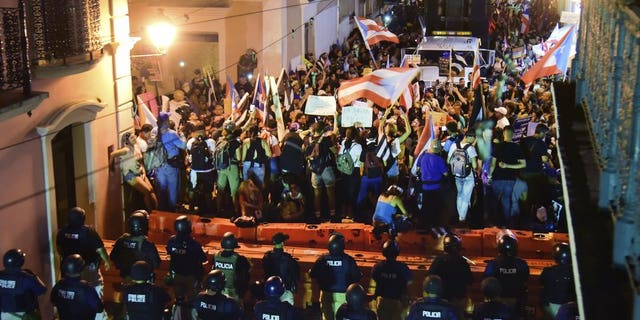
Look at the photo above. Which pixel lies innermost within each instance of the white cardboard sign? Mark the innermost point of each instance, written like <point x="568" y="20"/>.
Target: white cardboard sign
<point x="321" y="106"/>
<point x="362" y="115"/>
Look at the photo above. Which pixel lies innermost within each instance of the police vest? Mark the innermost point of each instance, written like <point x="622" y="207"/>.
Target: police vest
<point x="510" y="276"/>
<point x="390" y="283"/>
<point x="228" y="266"/>
<point x="433" y="310"/>
<point x="273" y="309"/>
<point x="183" y="261"/>
<point x="280" y="263"/>
<point x="71" y="300"/>
<point x="139" y="300"/>
<point x="215" y="307"/>
<point x="14" y="297"/>
<point x="74" y="240"/>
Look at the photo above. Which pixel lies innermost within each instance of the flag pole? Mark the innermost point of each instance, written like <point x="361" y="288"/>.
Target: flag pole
<point x="375" y="63"/>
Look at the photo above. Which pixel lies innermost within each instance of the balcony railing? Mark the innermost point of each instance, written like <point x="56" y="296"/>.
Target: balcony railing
<point x="43" y="33"/>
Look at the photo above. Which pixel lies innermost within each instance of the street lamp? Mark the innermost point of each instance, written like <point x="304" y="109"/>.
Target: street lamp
<point x="161" y="35"/>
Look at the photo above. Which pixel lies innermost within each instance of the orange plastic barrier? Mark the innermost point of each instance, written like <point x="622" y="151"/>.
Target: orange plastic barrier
<point x="471" y="241"/>
<point x="217" y="227"/>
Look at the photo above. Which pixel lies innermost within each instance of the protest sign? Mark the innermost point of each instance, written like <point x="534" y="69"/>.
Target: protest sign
<point x="321" y="105"/>
<point x="520" y="128"/>
<point x="360" y="114"/>
<point x="439" y="119"/>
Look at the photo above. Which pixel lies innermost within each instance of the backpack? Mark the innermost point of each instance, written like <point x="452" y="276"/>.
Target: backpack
<point x="459" y="163"/>
<point x="317" y="161"/>
<point x="223" y="156"/>
<point x="201" y="158"/>
<point x="344" y="162"/>
<point x="373" y="166"/>
<point x="155" y="156"/>
<point x="255" y="146"/>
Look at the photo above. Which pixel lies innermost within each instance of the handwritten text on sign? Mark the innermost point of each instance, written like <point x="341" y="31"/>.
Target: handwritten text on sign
<point x="321" y="105"/>
<point x="351" y="115"/>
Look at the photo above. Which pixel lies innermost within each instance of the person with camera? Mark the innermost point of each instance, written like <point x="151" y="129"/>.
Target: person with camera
<point x="168" y="174"/>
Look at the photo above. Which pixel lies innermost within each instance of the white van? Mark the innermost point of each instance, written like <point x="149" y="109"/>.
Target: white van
<point x="443" y="55"/>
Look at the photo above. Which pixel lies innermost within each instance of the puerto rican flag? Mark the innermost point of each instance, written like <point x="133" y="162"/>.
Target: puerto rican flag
<point x="232" y="94"/>
<point x="525" y="20"/>
<point x="406" y="99"/>
<point x="382" y="86"/>
<point x="556" y="60"/>
<point x="260" y="97"/>
<point x="373" y="33"/>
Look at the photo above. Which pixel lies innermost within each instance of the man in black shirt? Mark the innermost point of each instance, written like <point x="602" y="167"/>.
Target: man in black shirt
<point x="534" y="149"/>
<point x="492" y="308"/>
<point x="432" y="306"/>
<point x="557" y="281"/>
<point x="143" y="299"/>
<point x="392" y="279"/>
<point x="277" y="262"/>
<point x="212" y="304"/>
<point x="455" y="272"/>
<point x="75" y="299"/>
<point x="507" y="161"/>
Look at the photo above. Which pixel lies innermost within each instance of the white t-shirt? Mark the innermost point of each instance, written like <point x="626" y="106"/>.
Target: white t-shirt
<point x="502" y="123"/>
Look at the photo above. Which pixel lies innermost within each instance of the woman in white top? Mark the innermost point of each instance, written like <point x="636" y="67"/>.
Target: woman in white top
<point x="132" y="168"/>
<point x="352" y="181"/>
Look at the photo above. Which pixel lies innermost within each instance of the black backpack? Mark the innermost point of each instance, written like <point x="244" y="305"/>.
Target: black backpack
<point x="224" y="155"/>
<point x="315" y="157"/>
<point x="201" y="157"/>
<point x="373" y="166"/>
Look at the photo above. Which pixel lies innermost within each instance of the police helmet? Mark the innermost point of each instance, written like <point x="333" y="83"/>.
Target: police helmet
<point x="229" y="241"/>
<point x="562" y="253"/>
<point x="14" y="259"/>
<point x="508" y="245"/>
<point x="336" y="244"/>
<point x="452" y="243"/>
<point x="141" y="271"/>
<point x="274" y="287"/>
<point x="356" y="296"/>
<point x="432" y="285"/>
<point x="72" y="265"/>
<point x="390" y="249"/>
<point x="139" y="223"/>
<point x="182" y="225"/>
<point x="491" y="288"/>
<point x="215" y="280"/>
<point x="76" y="217"/>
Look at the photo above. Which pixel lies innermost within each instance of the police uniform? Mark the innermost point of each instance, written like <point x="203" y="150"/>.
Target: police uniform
<point x="19" y="291"/>
<point x="432" y="308"/>
<point x="186" y="262"/>
<point x="145" y="301"/>
<point x="392" y="278"/>
<point x="129" y="249"/>
<point x="75" y="299"/>
<point x="236" y="270"/>
<point x="558" y="287"/>
<point x="568" y="311"/>
<point x="274" y="309"/>
<point x="216" y="307"/>
<point x="334" y="272"/>
<point x="492" y="310"/>
<point x="346" y="312"/>
<point x="512" y="273"/>
<point x="456" y="274"/>
<point x="277" y="262"/>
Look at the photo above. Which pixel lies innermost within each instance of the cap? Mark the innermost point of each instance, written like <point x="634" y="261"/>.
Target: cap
<point x="279" y="238"/>
<point x="502" y="110"/>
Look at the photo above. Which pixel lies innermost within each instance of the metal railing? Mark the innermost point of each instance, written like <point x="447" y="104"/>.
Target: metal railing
<point x="14" y="61"/>
<point x="607" y="73"/>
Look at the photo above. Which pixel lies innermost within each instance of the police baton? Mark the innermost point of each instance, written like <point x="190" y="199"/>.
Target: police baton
<point x="469" y="260"/>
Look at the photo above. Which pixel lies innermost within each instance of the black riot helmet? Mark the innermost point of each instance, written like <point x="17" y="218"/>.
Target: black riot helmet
<point x="356" y="297"/>
<point x="14" y="259"/>
<point x="390" y="249"/>
<point x="72" y="265"/>
<point x="215" y="280"/>
<point x="76" y="217"/>
<point x="229" y="241"/>
<point x="508" y="245"/>
<point x="432" y="285"/>
<point x="182" y="225"/>
<point x="274" y="287"/>
<point x="336" y="244"/>
<point x="452" y="243"/>
<point x="139" y="223"/>
<point x="141" y="271"/>
<point x="562" y="253"/>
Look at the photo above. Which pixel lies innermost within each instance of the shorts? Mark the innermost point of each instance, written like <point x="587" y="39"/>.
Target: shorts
<point x="130" y="177"/>
<point x="327" y="178"/>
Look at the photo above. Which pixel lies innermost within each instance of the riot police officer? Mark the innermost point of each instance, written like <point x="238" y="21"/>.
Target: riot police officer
<point x="557" y="281"/>
<point x="492" y="308"/>
<point x="272" y="307"/>
<point x="74" y="298"/>
<point x="432" y="306"/>
<point x="134" y="246"/>
<point x="279" y="263"/>
<point x="212" y="304"/>
<point x="454" y="271"/>
<point x="235" y="267"/>
<point x="143" y="299"/>
<point x="334" y="272"/>
<point x="78" y="238"/>
<point x="511" y="271"/>
<point x="355" y="308"/>
<point x="187" y="258"/>
<point x="392" y="278"/>
<point x="19" y="289"/>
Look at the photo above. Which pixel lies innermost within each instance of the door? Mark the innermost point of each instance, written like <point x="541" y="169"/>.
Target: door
<point x="64" y="173"/>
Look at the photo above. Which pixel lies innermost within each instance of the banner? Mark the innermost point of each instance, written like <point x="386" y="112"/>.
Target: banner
<point x="520" y="128"/>
<point x="321" y="106"/>
<point x="444" y="64"/>
<point x="360" y="114"/>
